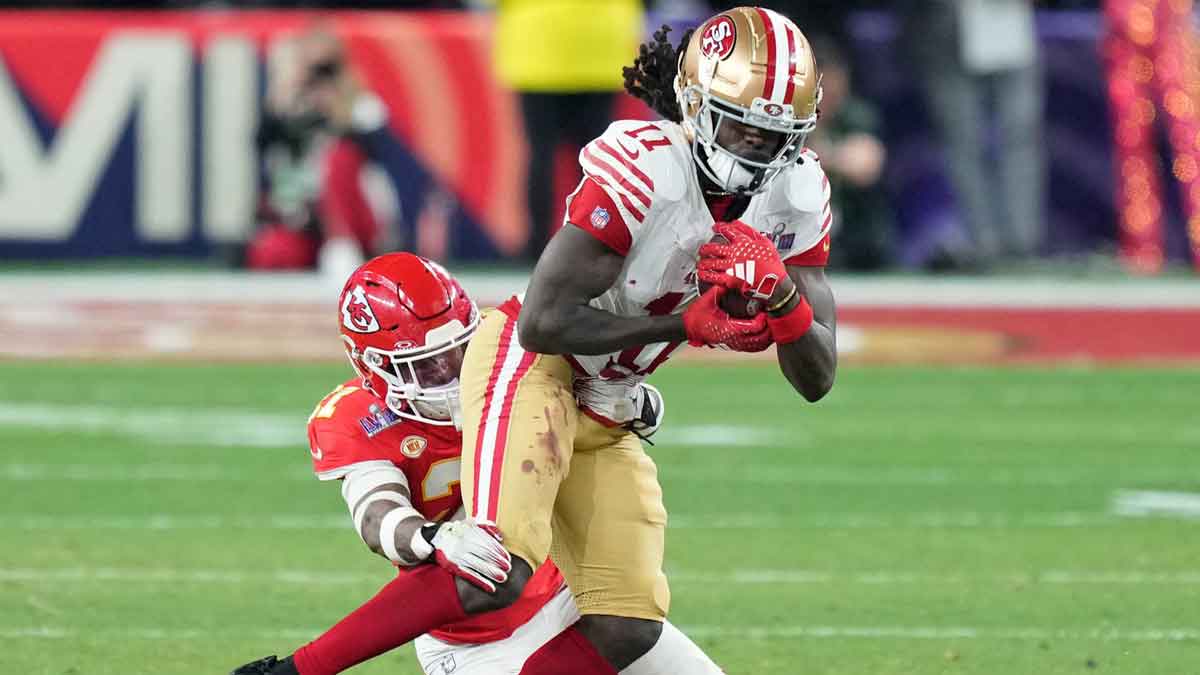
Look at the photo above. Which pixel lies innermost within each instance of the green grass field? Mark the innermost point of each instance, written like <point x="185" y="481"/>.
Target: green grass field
<point x="162" y="520"/>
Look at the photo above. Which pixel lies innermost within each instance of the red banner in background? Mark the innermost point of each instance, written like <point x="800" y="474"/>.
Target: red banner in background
<point x="170" y="140"/>
<point x="434" y="73"/>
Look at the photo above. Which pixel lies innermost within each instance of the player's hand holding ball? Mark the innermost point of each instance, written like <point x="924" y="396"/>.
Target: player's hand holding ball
<point x="746" y="262"/>
<point x="706" y="323"/>
<point x="743" y="260"/>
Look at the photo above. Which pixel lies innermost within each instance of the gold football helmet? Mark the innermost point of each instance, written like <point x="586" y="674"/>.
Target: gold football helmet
<point x="751" y="65"/>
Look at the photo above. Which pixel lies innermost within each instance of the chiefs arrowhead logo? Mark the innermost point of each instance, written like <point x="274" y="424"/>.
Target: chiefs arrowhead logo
<point x="356" y="312"/>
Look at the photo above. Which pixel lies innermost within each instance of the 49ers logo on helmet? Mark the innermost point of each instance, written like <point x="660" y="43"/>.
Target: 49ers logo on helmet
<point x="356" y="312"/>
<point x="718" y="38"/>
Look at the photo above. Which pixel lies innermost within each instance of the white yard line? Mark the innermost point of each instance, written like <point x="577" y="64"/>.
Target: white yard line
<point x="135" y="473"/>
<point x="946" y="633"/>
<point x="493" y="287"/>
<point x="741" y="577"/>
<point x="241" y="428"/>
<point x="935" y="520"/>
<point x="799" y="473"/>
<point x="189" y="426"/>
<point x="757" y="633"/>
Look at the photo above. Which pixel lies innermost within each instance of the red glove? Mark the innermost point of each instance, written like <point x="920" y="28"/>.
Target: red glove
<point x="749" y="264"/>
<point x="707" y="324"/>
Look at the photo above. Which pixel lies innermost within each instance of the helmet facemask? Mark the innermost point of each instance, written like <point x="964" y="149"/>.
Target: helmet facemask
<point x="704" y="117"/>
<point x="422" y="383"/>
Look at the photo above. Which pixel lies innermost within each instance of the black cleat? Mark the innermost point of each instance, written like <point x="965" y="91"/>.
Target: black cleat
<point x="268" y="666"/>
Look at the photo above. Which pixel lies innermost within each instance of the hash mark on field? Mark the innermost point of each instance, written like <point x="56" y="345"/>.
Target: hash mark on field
<point x="758" y="633"/>
<point x="725" y="435"/>
<point x="1152" y="503"/>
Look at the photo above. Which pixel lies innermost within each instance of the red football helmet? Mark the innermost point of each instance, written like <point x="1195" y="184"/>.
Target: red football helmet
<point x="405" y="324"/>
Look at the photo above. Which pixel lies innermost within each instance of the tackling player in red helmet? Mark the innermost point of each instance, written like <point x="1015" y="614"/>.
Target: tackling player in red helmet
<point x="405" y="324"/>
<point x="390" y="436"/>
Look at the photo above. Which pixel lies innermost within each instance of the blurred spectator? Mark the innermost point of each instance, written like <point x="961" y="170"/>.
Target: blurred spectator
<point x="978" y="59"/>
<point x="565" y="59"/>
<point x="853" y="157"/>
<point x="318" y="202"/>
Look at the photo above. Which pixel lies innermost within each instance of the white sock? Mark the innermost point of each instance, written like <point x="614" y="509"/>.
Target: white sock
<point x="673" y="654"/>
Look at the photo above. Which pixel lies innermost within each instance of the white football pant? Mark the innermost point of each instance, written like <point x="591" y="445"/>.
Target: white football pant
<point x="673" y="654"/>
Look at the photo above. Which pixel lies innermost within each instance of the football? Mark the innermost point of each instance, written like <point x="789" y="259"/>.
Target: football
<point x="732" y="303"/>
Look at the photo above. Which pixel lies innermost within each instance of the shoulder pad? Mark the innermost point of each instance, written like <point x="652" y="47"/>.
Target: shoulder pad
<point x="806" y="186"/>
<point x="652" y="157"/>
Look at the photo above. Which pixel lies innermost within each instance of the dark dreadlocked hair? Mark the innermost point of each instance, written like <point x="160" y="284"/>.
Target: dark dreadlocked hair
<point x="652" y="75"/>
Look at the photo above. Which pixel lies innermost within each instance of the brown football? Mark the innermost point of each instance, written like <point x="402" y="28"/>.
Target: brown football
<point x="733" y="303"/>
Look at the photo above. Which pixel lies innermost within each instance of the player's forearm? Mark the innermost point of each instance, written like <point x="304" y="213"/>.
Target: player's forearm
<point x="581" y="329"/>
<point x="375" y="530"/>
<point x="810" y="363"/>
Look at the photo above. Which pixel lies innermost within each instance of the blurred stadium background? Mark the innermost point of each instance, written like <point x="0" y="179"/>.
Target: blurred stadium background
<point x="1006" y="478"/>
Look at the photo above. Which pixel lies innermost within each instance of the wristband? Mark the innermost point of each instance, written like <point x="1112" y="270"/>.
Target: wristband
<point x="387" y="532"/>
<point x="783" y="303"/>
<point x="793" y="325"/>
<point x="422" y="544"/>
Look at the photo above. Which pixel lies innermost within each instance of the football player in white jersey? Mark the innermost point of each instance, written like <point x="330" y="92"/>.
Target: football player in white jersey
<point x="550" y="381"/>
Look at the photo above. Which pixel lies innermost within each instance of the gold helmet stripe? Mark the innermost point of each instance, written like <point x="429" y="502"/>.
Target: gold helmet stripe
<point x="779" y="84"/>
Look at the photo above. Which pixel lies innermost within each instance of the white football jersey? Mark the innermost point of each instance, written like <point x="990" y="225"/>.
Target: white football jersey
<point x="648" y="174"/>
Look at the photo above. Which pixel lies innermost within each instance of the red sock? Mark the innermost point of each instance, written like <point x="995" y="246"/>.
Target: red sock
<point x="412" y="604"/>
<point x="568" y="653"/>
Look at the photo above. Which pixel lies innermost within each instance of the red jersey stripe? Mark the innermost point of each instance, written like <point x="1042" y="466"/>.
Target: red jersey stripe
<point x="768" y="30"/>
<point x="625" y="162"/>
<point x="616" y="176"/>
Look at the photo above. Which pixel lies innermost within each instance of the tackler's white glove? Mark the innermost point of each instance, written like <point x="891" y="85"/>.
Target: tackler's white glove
<point x="651" y="407"/>
<point x="468" y="549"/>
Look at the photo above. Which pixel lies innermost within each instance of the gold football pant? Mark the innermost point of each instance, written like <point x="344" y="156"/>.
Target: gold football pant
<point x="555" y="481"/>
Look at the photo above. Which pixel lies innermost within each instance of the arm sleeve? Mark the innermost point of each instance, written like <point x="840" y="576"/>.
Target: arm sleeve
<point x="369" y="476"/>
<point x="817" y="256"/>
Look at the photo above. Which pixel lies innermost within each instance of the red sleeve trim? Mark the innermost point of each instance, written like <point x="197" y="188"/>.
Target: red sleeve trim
<point x="592" y="210"/>
<point x="511" y="307"/>
<point x="817" y="256"/>
<point x="332" y="449"/>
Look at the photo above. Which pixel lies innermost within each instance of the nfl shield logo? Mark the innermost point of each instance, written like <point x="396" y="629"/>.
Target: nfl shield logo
<point x="599" y="218"/>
